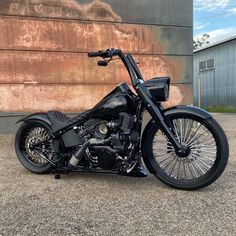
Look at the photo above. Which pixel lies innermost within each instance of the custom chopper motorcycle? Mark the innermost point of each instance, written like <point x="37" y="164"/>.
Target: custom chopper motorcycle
<point x="182" y="146"/>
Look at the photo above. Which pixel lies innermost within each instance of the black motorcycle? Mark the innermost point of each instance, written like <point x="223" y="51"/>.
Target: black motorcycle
<point x="182" y="146"/>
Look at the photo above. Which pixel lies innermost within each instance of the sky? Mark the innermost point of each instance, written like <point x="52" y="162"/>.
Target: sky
<point x="216" y="18"/>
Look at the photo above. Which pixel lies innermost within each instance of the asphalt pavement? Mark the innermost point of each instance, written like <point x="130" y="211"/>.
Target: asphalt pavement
<point x="89" y="204"/>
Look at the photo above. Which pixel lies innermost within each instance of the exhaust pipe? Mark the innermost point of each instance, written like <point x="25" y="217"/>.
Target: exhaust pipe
<point x="77" y="157"/>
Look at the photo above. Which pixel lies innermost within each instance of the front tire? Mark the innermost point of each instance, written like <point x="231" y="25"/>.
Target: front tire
<point x="28" y="134"/>
<point x="208" y="157"/>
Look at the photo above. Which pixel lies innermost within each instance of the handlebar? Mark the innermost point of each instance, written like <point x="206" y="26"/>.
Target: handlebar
<point x="96" y="54"/>
<point x="108" y="53"/>
<point x="128" y="61"/>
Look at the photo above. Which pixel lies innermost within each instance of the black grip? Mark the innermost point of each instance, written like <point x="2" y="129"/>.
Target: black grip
<point x="94" y="54"/>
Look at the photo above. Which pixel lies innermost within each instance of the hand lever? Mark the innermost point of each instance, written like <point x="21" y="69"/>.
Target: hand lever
<point x="102" y="63"/>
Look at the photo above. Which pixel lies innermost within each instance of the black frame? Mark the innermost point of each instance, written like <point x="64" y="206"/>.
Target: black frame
<point x="143" y="93"/>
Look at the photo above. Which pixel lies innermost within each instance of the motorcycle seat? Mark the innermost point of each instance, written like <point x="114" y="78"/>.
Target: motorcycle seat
<point x="60" y="121"/>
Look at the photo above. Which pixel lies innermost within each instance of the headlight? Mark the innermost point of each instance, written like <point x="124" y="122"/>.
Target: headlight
<point x="158" y="88"/>
<point x="166" y="92"/>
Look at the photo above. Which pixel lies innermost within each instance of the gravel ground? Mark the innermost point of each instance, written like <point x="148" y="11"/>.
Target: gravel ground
<point x="88" y="204"/>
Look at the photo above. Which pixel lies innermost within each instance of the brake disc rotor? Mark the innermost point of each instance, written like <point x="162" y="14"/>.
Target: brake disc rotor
<point x="34" y="136"/>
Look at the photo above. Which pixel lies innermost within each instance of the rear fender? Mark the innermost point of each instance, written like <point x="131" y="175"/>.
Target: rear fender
<point x="36" y="116"/>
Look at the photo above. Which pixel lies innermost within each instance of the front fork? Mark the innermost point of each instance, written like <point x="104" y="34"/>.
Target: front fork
<point x="157" y="115"/>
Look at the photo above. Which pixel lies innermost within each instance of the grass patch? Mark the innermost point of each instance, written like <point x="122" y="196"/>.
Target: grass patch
<point x="220" y="109"/>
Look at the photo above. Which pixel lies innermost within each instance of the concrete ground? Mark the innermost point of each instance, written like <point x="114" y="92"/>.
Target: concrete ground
<point x="88" y="204"/>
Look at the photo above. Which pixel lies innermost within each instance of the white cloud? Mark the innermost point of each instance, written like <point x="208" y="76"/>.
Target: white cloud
<point x="210" y="5"/>
<point x="199" y="25"/>
<point x="232" y="11"/>
<point x="220" y="34"/>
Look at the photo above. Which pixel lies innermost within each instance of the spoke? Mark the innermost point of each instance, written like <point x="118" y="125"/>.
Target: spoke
<point x="194" y="169"/>
<point x="176" y="132"/>
<point x="197" y="137"/>
<point x="178" y="173"/>
<point x="209" y="167"/>
<point x="164" y="161"/>
<point x="184" y="130"/>
<point x="166" y="154"/>
<point x="207" y="142"/>
<point x="210" y="153"/>
<point x="207" y="151"/>
<point x="203" y="166"/>
<point x="200" y="147"/>
<point x="181" y="130"/>
<point x="165" y="149"/>
<point x="161" y="141"/>
<point x="193" y="132"/>
<point x="167" y="158"/>
<point x="201" y="156"/>
<point x="166" y="167"/>
<point x="186" y="177"/>
<point x="189" y="130"/>
<point x="190" y="170"/>
<point x="198" y="168"/>
<point x="173" y="166"/>
<point x="205" y="160"/>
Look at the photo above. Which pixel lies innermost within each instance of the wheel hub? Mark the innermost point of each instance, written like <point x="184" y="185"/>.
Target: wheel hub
<point x="35" y="136"/>
<point x="183" y="152"/>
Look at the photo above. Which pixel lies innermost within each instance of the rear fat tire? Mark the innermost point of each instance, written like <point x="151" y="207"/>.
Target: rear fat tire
<point x="21" y="155"/>
<point x="212" y="175"/>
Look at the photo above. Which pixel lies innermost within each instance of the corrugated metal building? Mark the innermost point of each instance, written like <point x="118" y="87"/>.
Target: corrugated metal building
<point x="44" y="45"/>
<point x="215" y="76"/>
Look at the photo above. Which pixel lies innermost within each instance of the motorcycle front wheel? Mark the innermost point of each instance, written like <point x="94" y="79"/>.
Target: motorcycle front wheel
<point x="205" y="162"/>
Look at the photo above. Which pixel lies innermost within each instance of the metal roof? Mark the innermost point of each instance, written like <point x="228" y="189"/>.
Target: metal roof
<point x="216" y="44"/>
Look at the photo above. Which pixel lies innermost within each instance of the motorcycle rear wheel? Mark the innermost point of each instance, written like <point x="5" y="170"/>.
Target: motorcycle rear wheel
<point x="27" y="135"/>
<point x="206" y="161"/>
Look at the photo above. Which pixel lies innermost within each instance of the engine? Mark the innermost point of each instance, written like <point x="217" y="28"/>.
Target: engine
<point x="104" y="142"/>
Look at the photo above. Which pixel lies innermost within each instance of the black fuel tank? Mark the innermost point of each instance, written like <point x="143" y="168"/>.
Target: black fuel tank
<point x="115" y="102"/>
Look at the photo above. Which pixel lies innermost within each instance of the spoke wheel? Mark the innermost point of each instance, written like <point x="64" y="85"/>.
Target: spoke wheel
<point x="32" y="145"/>
<point x="35" y="152"/>
<point x="203" y="150"/>
<point x="205" y="161"/>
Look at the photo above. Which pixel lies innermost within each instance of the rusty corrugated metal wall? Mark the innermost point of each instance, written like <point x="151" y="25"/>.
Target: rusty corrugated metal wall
<point x="44" y="45"/>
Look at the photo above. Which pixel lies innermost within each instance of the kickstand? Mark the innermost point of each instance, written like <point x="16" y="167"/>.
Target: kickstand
<point x="57" y="176"/>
